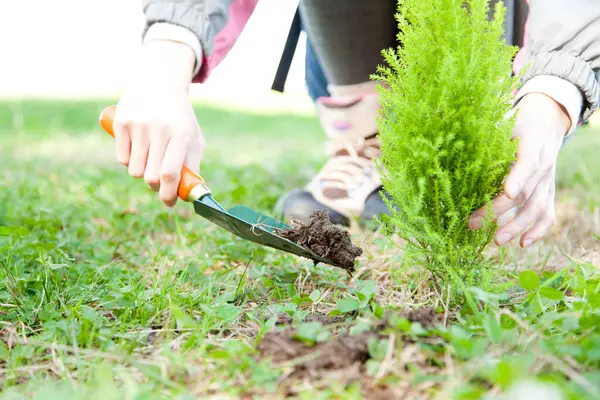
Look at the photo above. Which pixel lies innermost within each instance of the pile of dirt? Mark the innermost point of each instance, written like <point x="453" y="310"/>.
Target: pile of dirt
<point x="325" y="239"/>
<point x="341" y="359"/>
<point x="340" y="352"/>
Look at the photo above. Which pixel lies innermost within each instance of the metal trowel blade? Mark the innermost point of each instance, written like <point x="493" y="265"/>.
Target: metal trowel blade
<point x="254" y="226"/>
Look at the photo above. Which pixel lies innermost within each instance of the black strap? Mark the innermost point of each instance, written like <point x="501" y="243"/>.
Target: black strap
<point x="288" y="54"/>
<point x="509" y="21"/>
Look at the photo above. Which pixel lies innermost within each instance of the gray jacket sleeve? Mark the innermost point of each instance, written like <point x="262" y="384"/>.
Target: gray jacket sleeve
<point x="210" y="27"/>
<point x="205" y="18"/>
<point x="563" y="41"/>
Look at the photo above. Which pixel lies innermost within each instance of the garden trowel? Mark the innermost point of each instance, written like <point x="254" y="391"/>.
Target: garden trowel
<point x="239" y="220"/>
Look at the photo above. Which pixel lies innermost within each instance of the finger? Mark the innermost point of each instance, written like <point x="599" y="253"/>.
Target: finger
<point x="158" y="146"/>
<point x="523" y="170"/>
<point x="531" y="212"/>
<point x="507" y="217"/>
<point x="502" y="205"/>
<point x="122" y="132"/>
<point x="170" y="171"/>
<point x="140" y="144"/>
<point x="499" y="206"/>
<point x="544" y="225"/>
<point x="194" y="156"/>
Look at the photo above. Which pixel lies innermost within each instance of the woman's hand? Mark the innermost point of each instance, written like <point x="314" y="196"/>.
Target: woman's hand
<point x="155" y="127"/>
<point x="541" y="126"/>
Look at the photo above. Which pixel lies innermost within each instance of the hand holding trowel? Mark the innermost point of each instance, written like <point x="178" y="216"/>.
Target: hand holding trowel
<point x="256" y="227"/>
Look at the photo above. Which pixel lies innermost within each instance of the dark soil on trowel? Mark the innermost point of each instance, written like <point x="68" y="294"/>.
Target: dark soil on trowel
<point x="338" y="354"/>
<point x="321" y="237"/>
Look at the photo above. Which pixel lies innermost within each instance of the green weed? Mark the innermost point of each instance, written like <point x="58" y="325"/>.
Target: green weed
<point x="109" y="295"/>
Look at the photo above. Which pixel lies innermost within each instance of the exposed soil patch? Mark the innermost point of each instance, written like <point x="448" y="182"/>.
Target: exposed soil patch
<point x="286" y="319"/>
<point x="425" y="316"/>
<point x="341" y="359"/>
<point x="325" y="239"/>
<point x="340" y="352"/>
<point x="374" y="392"/>
<point x="9" y="336"/>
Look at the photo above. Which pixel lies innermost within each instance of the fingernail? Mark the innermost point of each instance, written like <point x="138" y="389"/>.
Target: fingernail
<point x="475" y="223"/>
<point x="512" y="191"/>
<point x="527" y="242"/>
<point x="503" y="238"/>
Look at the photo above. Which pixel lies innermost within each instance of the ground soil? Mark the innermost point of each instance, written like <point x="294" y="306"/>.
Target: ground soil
<point x="338" y="353"/>
<point x="325" y="239"/>
<point x="341" y="352"/>
<point x="425" y="316"/>
<point x="286" y="319"/>
<point x="341" y="359"/>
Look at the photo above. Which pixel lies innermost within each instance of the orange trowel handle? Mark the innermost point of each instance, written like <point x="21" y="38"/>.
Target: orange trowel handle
<point x="189" y="179"/>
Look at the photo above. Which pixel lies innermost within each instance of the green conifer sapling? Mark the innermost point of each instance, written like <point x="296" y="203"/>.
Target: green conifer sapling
<point x="446" y="137"/>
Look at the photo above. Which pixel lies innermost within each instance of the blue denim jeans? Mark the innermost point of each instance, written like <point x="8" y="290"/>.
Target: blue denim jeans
<point x="316" y="82"/>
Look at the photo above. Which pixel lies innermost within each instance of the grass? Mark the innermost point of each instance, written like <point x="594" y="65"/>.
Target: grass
<point x="107" y="294"/>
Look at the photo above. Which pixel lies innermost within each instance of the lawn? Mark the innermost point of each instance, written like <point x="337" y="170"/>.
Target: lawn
<point x="108" y="294"/>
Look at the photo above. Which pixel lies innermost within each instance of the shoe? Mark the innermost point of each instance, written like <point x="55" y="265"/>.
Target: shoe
<point x="348" y="186"/>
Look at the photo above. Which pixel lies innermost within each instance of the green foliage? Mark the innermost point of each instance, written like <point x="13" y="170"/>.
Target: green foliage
<point x="529" y="280"/>
<point x="445" y="137"/>
<point x="311" y="333"/>
<point x="362" y="299"/>
<point x="108" y="295"/>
